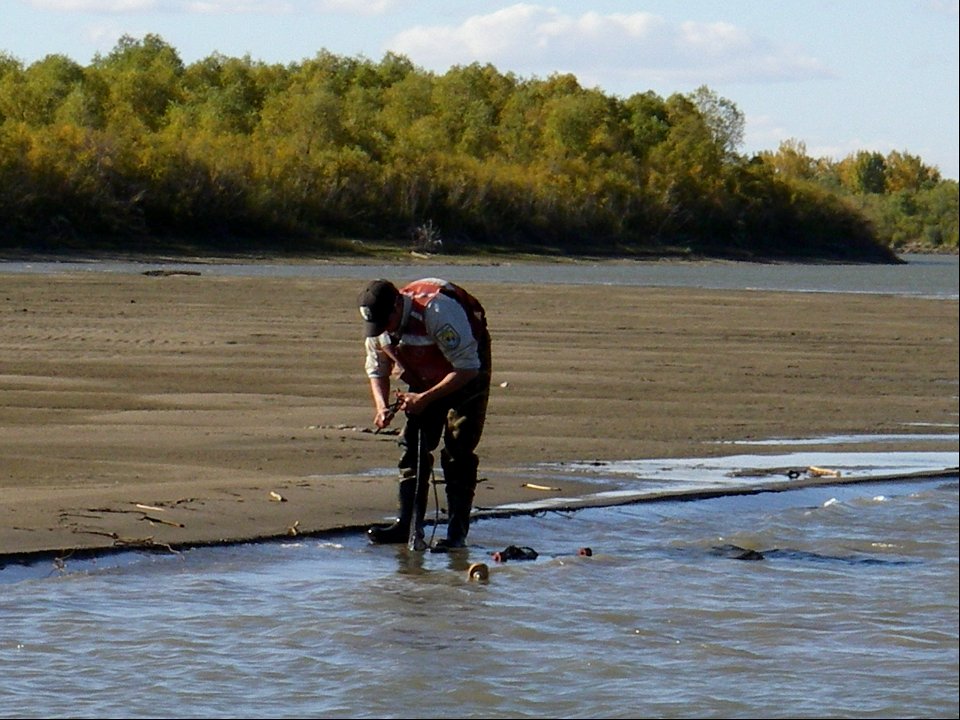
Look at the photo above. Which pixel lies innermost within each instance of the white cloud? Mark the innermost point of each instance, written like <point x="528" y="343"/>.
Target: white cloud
<point x="103" y="35"/>
<point x="219" y="7"/>
<point x="713" y="39"/>
<point x="235" y="7"/>
<point x="110" y="6"/>
<point x="355" y="7"/>
<point x="623" y="48"/>
<point x="950" y="8"/>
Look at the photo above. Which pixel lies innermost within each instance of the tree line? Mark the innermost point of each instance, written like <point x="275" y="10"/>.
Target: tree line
<point x="139" y="151"/>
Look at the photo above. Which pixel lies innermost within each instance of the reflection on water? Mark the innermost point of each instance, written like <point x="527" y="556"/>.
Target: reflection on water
<point x="701" y="477"/>
<point x="851" y="439"/>
<point x="661" y="621"/>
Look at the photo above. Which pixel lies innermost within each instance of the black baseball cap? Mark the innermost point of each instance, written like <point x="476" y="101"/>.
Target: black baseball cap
<point x="376" y="302"/>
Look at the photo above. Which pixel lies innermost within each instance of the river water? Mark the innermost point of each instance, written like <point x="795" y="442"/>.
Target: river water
<point x="932" y="276"/>
<point x="847" y="606"/>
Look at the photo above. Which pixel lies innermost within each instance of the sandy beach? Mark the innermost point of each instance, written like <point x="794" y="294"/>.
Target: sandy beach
<point x="171" y="410"/>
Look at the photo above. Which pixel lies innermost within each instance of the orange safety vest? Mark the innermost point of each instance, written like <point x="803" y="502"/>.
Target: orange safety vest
<point x="421" y="360"/>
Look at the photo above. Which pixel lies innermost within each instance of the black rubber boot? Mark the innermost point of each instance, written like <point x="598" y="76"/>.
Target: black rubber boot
<point x="459" y="506"/>
<point x="399" y="531"/>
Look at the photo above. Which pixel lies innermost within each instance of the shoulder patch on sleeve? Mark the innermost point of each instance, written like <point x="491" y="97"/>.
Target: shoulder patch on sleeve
<point x="448" y="337"/>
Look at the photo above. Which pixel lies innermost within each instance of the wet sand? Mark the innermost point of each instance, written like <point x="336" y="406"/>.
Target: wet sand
<point x="166" y="411"/>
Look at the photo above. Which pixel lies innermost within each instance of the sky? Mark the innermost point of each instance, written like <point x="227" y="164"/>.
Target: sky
<point x="839" y="76"/>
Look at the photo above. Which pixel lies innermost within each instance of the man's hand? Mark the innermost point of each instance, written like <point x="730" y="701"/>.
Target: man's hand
<point x="385" y="415"/>
<point x="412" y="403"/>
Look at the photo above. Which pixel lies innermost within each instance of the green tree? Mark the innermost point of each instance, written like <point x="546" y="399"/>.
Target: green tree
<point x="468" y="103"/>
<point x="86" y="104"/>
<point x="144" y="77"/>
<point x="686" y="173"/>
<point x="907" y="172"/>
<point x="11" y="82"/>
<point x="409" y="119"/>
<point x="723" y="117"/>
<point x="940" y="207"/>
<point x="46" y="83"/>
<point x="791" y="160"/>
<point x="224" y="94"/>
<point x="864" y="172"/>
<point x="520" y="128"/>
<point x="647" y="122"/>
<point x="583" y="124"/>
<point x="9" y="64"/>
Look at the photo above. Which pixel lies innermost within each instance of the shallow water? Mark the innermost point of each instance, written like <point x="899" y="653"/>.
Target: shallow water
<point x="852" y="612"/>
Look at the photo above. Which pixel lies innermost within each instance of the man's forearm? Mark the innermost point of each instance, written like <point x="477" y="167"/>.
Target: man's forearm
<point x="451" y="382"/>
<point x="380" y="389"/>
